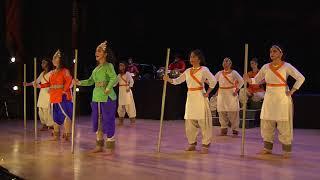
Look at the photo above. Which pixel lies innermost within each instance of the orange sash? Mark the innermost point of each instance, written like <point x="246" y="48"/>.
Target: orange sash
<point x="275" y="71"/>
<point x="126" y="82"/>
<point x="234" y="85"/>
<point x="197" y="80"/>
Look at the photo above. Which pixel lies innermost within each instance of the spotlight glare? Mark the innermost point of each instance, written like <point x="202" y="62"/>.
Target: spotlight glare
<point x="13" y="59"/>
<point x="15" y="88"/>
<point x="77" y="89"/>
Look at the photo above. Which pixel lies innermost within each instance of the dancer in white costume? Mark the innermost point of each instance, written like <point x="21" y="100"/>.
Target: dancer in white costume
<point x="126" y="101"/>
<point x="227" y="100"/>
<point x="44" y="97"/>
<point x="197" y="113"/>
<point x="277" y="107"/>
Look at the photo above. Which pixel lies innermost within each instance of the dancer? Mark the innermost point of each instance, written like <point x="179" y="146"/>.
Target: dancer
<point x="277" y="107"/>
<point x="104" y="98"/>
<point x="60" y="97"/>
<point x="255" y="91"/>
<point x="197" y="114"/>
<point x="44" y="97"/>
<point x="227" y="99"/>
<point x="126" y="102"/>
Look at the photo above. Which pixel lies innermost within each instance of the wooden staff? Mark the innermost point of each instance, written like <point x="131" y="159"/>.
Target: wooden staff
<point x="25" y="96"/>
<point x="164" y="91"/>
<point x="35" y="99"/>
<point x="244" y="107"/>
<point x="74" y="100"/>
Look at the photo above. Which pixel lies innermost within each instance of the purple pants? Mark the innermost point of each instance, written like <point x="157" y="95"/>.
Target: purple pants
<point x="108" y="118"/>
<point x="61" y="110"/>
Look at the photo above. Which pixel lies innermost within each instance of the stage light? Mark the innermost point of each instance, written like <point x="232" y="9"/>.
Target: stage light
<point x="13" y="59"/>
<point x="74" y="61"/>
<point x="77" y="89"/>
<point x="15" y="88"/>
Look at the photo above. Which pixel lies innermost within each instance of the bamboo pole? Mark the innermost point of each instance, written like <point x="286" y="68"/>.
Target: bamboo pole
<point x="244" y="107"/>
<point x="74" y="100"/>
<point x="25" y="96"/>
<point x="35" y="99"/>
<point x="164" y="91"/>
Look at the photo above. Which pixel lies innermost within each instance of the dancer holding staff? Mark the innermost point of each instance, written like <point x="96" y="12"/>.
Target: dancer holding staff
<point x="60" y="97"/>
<point x="104" y="98"/>
<point x="197" y="114"/>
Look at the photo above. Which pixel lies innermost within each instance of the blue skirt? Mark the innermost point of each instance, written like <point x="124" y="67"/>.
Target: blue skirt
<point x="62" y="110"/>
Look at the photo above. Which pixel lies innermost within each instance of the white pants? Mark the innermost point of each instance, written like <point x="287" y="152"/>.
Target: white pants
<point x="229" y="116"/>
<point x="45" y="116"/>
<point x="192" y="131"/>
<point x="268" y="128"/>
<point x="130" y="109"/>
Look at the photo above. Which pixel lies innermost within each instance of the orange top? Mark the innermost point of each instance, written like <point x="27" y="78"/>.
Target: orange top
<point x="253" y="88"/>
<point x="59" y="83"/>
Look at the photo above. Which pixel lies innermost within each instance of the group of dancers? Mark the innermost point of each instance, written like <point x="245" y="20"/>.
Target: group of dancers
<point x="277" y="107"/>
<point x="55" y="100"/>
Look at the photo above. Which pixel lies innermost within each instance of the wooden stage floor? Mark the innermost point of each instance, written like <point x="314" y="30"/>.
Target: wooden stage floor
<point x="136" y="156"/>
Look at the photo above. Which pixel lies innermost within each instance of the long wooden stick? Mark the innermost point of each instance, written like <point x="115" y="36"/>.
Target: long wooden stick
<point x="244" y="107"/>
<point x="164" y="91"/>
<point x="35" y="100"/>
<point x="74" y="100"/>
<point x="25" y="96"/>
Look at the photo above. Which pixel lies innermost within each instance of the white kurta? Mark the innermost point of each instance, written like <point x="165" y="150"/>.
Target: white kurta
<point x="197" y="105"/>
<point x="44" y="96"/>
<point x="226" y="101"/>
<point x="277" y="105"/>
<point x="125" y="81"/>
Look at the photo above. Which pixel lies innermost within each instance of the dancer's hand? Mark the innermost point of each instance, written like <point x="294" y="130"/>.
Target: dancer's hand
<point x="206" y="95"/>
<point x="36" y="85"/>
<point x="166" y="78"/>
<point x="128" y="89"/>
<point x="290" y="93"/>
<point x="107" y="91"/>
<point x="76" y="81"/>
<point x="235" y="93"/>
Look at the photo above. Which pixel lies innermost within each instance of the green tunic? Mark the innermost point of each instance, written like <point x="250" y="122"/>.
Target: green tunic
<point x="103" y="77"/>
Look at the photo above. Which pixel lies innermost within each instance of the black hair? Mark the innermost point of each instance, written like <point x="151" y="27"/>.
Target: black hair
<point x="280" y="48"/>
<point x="200" y="55"/>
<point x="255" y="60"/>
<point x="49" y="63"/>
<point x="62" y="62"/>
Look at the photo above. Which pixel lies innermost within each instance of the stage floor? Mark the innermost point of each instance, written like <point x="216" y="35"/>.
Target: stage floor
<point x="136" y="156"/>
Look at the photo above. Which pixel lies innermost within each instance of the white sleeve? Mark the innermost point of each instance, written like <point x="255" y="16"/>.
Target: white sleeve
<point x="292" y="71"/>
<point x="212" y="81"/>
<point x="130" y="79"/>
<point x="38" y="79"/>
<point x="217" y="75"/>
<point x="180" y="79"/>
<point x="260" y="76"/>
<point x="237" y="76"/>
